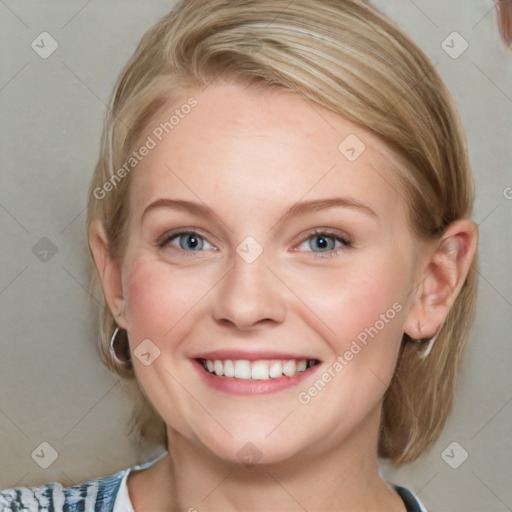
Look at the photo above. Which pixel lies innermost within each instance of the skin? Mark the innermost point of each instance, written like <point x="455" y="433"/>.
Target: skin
<point x="249" y="155"/>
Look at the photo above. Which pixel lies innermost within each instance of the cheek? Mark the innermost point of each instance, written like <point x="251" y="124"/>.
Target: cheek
<point x="362" y="313"/>
<point x="161" y="305"/>
<point x="352" y="299"/>
<point x="158" y="297"/>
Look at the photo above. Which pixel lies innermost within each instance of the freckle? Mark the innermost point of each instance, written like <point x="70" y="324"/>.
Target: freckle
<point x="504" y="10"/>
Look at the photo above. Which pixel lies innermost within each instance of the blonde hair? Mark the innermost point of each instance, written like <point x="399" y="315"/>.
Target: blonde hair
<point x="351" y="59"/>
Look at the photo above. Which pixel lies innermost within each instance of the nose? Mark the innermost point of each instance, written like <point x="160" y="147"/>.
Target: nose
<point x="250" y="295"/>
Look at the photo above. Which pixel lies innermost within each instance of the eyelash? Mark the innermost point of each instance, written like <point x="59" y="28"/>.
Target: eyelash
<point x="323" y="254"/>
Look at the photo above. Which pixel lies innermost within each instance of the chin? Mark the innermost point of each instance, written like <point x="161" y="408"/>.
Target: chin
<point x="257" y="452"/>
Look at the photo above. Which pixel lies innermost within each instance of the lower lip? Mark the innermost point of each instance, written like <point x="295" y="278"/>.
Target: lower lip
<point x="235" y="386"/>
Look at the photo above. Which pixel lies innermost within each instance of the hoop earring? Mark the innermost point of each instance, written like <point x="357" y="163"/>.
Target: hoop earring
<point x="113" y="354"/>
<point x="431" y="342"/>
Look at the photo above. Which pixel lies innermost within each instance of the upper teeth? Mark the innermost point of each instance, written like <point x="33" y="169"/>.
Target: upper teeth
<point x="256" y="370"/>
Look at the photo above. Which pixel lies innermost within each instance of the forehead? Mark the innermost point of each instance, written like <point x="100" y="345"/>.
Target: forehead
<point x="255" y="148"/>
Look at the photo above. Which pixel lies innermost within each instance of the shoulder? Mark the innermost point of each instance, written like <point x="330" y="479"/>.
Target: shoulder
<point x="98" y="494"/>
<point x="412" y="503"/>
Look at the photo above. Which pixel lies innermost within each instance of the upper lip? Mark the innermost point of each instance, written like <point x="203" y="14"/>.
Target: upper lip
<point x="252" y="355"/>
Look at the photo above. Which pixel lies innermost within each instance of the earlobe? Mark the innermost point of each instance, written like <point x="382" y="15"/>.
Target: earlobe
<point x="441" y="279"/>
<point x="108" y="271"/>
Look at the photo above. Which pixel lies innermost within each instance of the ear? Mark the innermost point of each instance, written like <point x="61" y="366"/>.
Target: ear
<point x="109" y="272"/>
<point x="441" y="278"/>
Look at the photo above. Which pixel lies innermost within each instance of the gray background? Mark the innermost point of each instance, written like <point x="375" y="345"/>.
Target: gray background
<point x="53" y="387"/>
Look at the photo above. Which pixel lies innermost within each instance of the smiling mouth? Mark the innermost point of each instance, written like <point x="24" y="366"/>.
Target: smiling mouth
<point x="263" y="369"/>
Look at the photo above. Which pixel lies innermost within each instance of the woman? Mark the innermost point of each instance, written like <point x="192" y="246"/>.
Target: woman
<point x="280" y="223"/>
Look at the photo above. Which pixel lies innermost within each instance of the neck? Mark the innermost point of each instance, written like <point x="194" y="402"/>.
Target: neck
<point x="192" y="478"/>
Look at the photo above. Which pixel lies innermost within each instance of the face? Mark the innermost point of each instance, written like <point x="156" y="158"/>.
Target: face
<point x="266" y="246"/>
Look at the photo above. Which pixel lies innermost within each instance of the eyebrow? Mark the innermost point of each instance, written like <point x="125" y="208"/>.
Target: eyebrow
<point x="329" y="202"/>
<point x="300" y="208"/>
<point x="178" y="204"/>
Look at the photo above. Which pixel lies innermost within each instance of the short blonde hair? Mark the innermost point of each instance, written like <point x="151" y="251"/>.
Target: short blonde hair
<point x="351" y="59"/>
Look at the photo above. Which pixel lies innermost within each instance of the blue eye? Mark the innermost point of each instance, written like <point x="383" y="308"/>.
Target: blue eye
<point x="321" y="242"/>
<point x="188" y="241"/>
